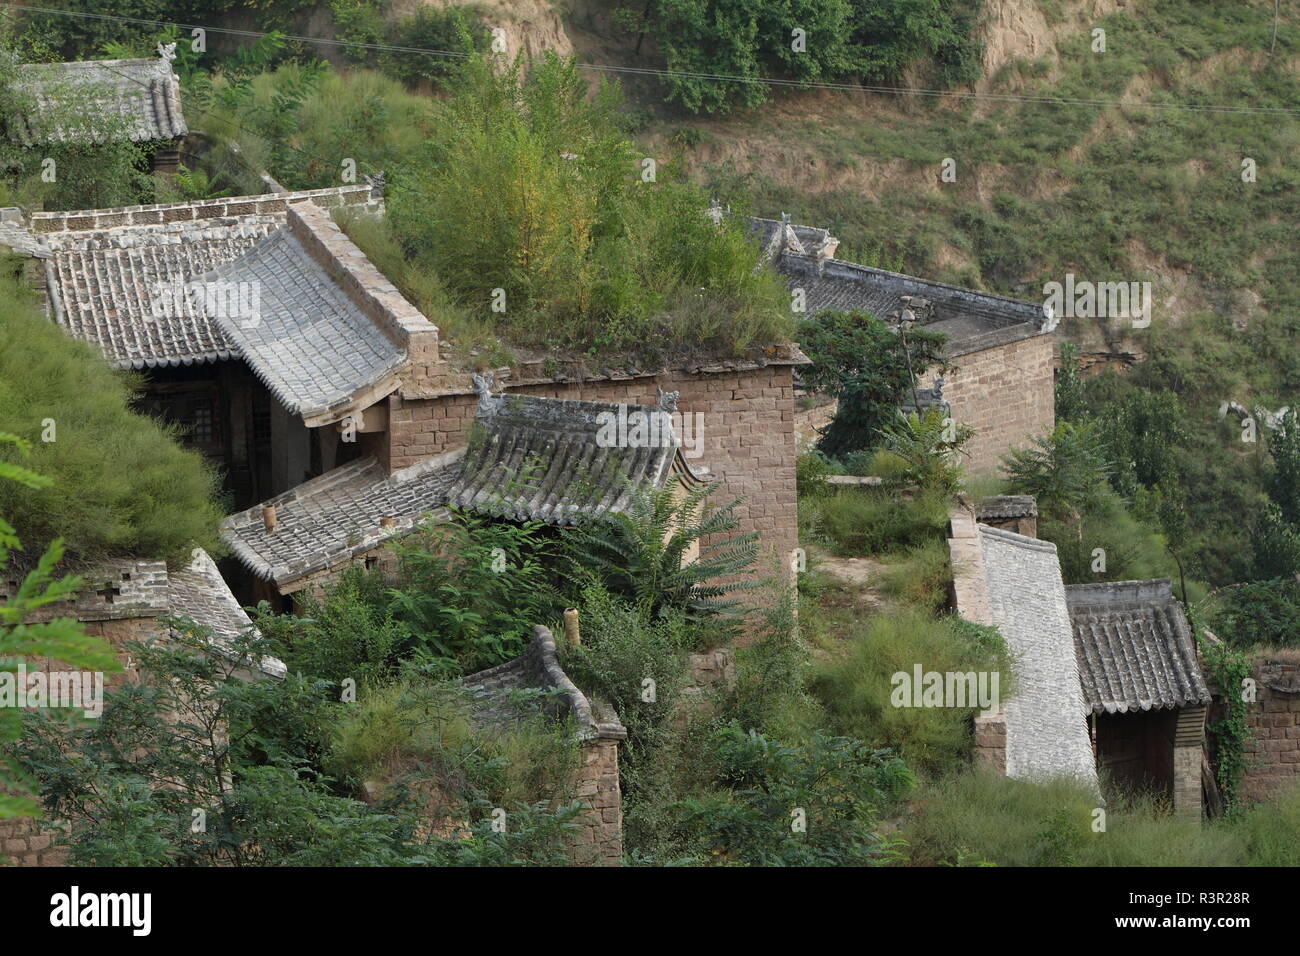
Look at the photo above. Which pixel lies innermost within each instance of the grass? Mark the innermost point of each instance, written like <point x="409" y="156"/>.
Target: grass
<point x="855" y="685"/>
<point x="856" y="522"/>
<point x="981" y="817"/>
<point x="426" y="729"/>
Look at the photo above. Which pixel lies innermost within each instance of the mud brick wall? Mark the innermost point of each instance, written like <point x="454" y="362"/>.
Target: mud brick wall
<point x="1005" y="393"/>
<point x="1273" y="722"/>
<point x="748" y="436"/>
<point x="599" y="837"/>
<point x="25" y="841"/>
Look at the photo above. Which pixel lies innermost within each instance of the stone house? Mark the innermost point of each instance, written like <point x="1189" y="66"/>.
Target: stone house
<point x="143" y="96"/>
<point x="529" y="458"/>
<point x="1001" y="349"/>
<point x="1108" y="675"/>
<point x="1142" y="682"/>
<point x="336" y="376"/>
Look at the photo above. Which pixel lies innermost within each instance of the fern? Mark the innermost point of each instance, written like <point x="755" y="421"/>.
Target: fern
<point x="639" y="554"/>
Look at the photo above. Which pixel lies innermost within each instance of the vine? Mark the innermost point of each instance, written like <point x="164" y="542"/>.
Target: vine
<point x="1227" y="666"/>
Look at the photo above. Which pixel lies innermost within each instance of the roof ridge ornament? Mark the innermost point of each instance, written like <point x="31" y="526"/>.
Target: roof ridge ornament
<point x="487" y="402"/>
<point x="666" y="401"/>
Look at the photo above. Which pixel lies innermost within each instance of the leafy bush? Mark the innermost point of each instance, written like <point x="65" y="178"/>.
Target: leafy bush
<point x="638" y="554"/>
<point x="349" y="631"/>
<point x="926" y="449"/>
<point x="1064" y="471"/>
<point x="471" y="590"/>
<point x="121" y="483"/>
<point x="811" y="804"/>
<point x="1259" y="614"/>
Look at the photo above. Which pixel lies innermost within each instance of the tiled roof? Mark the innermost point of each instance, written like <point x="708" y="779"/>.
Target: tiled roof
<point x="199" y="592"/>
<point x="123" y="290"/>
<point x="529" y="459"/>
<point x="310" y="341"/>
<point x="493" y="692"/>
<point x="1135" y="648"/>
<point x="116" y="276"/>
<point x="1007" y="506"/>
<point x="141" y="97"/>
<point x="544" y="459"/>
<point x="971" y="320"/>
<point x="327" y="521"/>
<point x="1047" y="731"/>
<point x="130" y="588"/>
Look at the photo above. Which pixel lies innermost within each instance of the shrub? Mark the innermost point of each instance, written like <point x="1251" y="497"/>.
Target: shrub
<point x="856" y="686"/>
<point x="638" y="554"/>
<point x="528" y="186"/>
<point x="811" y="804"/>
<point x="121" y="483"/>
<point x="1259" y="614"/>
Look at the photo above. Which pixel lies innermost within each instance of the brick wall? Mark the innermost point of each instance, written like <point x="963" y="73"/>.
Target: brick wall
<point x="25" y="841"/>
<point x="748" y="435"/>
<point x="1273" y="721"/>
<point x="599" y="838"/>
<point x="1005" y="393"/>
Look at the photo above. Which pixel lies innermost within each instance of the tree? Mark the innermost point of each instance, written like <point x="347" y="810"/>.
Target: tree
<point x="61" y="639"/>
<point x="1064" y="471"/>
<point x="858" y="360"/>
<point x="121" y="483"/>
<point x="1282" y="482"/>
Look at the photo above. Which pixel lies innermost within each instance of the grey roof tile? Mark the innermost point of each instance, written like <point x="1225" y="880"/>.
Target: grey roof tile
<point x="1007" y="506"/>
<point x="551" y="460"/>
<point x="309" y="341"/>
<point x="1047" y="731"/>
<point x="971" y="320"/>
<point x="142" y="95"/>
<point x="529" y="458"/>
<point x="198" y="592"/>
<point x="117" y="276"/>
<point x="327" y="521"/>
<point x="1135" y="647"/>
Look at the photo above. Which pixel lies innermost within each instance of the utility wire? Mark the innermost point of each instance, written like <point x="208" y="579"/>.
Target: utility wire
<point x="710" y="77"/>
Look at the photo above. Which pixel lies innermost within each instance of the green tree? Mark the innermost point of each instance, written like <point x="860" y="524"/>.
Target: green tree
<point x="858" y="360"/>
<point x="61" y="638"/>
<point x="1065" y="471"/>
<point x="121" y="483"/>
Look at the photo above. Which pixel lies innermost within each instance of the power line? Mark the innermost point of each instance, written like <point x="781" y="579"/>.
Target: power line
<point x="710" y="77"/>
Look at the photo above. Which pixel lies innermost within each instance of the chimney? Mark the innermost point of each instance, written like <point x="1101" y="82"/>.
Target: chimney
<point x="268" y="517"/>
<point x="571" y="634"/>
<point x="387" y="521"/>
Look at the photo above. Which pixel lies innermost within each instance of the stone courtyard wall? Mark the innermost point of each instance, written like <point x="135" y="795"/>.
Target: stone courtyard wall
<point x="1273" y="724"/>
